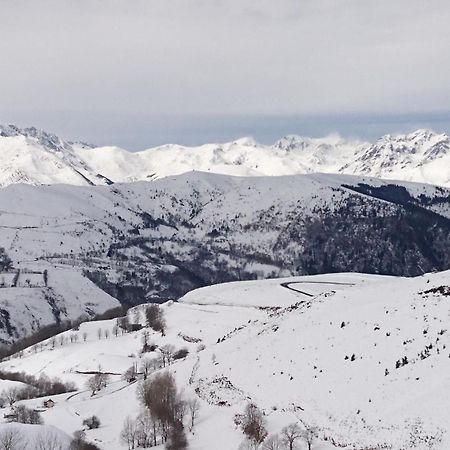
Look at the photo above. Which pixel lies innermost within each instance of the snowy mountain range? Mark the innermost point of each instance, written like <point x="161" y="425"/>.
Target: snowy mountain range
<point x="155" y="241"/>
<point x="36" y="157"/>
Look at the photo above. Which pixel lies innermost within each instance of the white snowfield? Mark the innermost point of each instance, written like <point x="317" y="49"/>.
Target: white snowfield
<point x="35" y="157"/>
<point x="365" y="358"/>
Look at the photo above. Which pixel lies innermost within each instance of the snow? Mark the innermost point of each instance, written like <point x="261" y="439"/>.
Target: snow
<point x="299" y="365"/>
<point x="36" y="157"/>
<point x="31" y="437"/>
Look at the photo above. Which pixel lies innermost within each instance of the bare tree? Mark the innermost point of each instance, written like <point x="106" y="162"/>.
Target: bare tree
<point x="272" y="442"/>
<point x="11" y="395"/>
<point x="159" y="394"/>
<point x="128" y="435"/>
<point x="97" y="382"/>
<point x="154" y="316"/>
<point x="27" y="415"/>
<point x="147" y="429"/>
<point x="176" y="438"/>
<point x="146" y="367"/>
<point x="309" y="434"/>
<point x="11" y="439"/>
<point x="48" y="440"/>
<point x="254" y="424"/>
<point x="145" y="340"/>
<point x="115" y="330"/>
<point x="290" y="435"/>
<point x="167" y="352"/>
<point x="193" y="406"/>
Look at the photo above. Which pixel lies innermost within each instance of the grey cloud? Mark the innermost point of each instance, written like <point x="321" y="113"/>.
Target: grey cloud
<point x="173" y="57"/>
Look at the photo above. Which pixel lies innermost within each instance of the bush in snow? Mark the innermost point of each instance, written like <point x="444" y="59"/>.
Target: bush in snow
<point x="92" y="422"/>
<point x="5" y="260"/>
<point x="181" y="353"/>
<point x="79" y="442"/>
<point x="27" y="415"/>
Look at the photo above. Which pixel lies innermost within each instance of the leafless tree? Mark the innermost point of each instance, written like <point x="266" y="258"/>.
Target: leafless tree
<point x="11" y="395"/>
<point x="167" y="352"/>
<point x="309" y="434"/>
<point x="128" y="435"/>
<point x="146" y="367"/>
<point x="115" y="330"/>
<point x="272" y="442"/>
<point x="193" y="406"/>
<point x="155" y="318"/>
<point x="147" y="429"/>
<point x="254" y="424"/>
<point x="48" y="440"/>
<point x="145" y="340"/>
<point x="290" y="434"/>
<point x="159" y="394"/>
<point x="11" y="439"/>
<point x="97" y="382"/>
<point x="27" y="415"/>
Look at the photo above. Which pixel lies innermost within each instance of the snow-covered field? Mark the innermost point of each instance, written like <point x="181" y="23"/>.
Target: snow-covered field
<point x="364" y="358"/>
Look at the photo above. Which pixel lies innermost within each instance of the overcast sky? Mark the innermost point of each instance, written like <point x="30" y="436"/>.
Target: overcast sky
<point x="142" y="72"/>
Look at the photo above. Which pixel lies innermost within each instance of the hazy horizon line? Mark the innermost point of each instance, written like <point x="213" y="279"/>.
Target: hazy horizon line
<point x="140" y="132"/>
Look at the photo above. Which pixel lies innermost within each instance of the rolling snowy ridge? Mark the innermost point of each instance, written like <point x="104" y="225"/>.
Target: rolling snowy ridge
<point x="36" y="157"/>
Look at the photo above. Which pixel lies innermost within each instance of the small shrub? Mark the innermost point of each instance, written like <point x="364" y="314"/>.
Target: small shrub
<point x="92" y="422"/>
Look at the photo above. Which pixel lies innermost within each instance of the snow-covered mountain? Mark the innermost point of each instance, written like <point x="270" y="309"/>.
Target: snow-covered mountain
<point x="157" y="240"/>
<point x="35" y="157"/>
<point x="363" y="358"/>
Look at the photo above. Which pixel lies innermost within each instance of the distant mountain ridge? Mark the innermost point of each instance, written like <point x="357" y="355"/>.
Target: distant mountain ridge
<point x="36" y="157"/>
<point x="155" y="241"/>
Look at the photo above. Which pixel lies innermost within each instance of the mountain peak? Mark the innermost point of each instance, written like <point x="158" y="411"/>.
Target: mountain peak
<point x="38" y="157"/>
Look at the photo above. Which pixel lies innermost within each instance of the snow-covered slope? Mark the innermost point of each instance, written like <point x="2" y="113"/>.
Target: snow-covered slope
<point x="36" y="157"/>
<point x="29" y="299"/>
<point x="157" y="240"/>
<point x="365" y="358"/>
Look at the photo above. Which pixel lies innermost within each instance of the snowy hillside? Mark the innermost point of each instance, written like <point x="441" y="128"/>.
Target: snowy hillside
<point x="36" y="157"/>
<point x="29" y="299"/>
<point x="158" y="240"/>
<point x="363" y="358"/>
